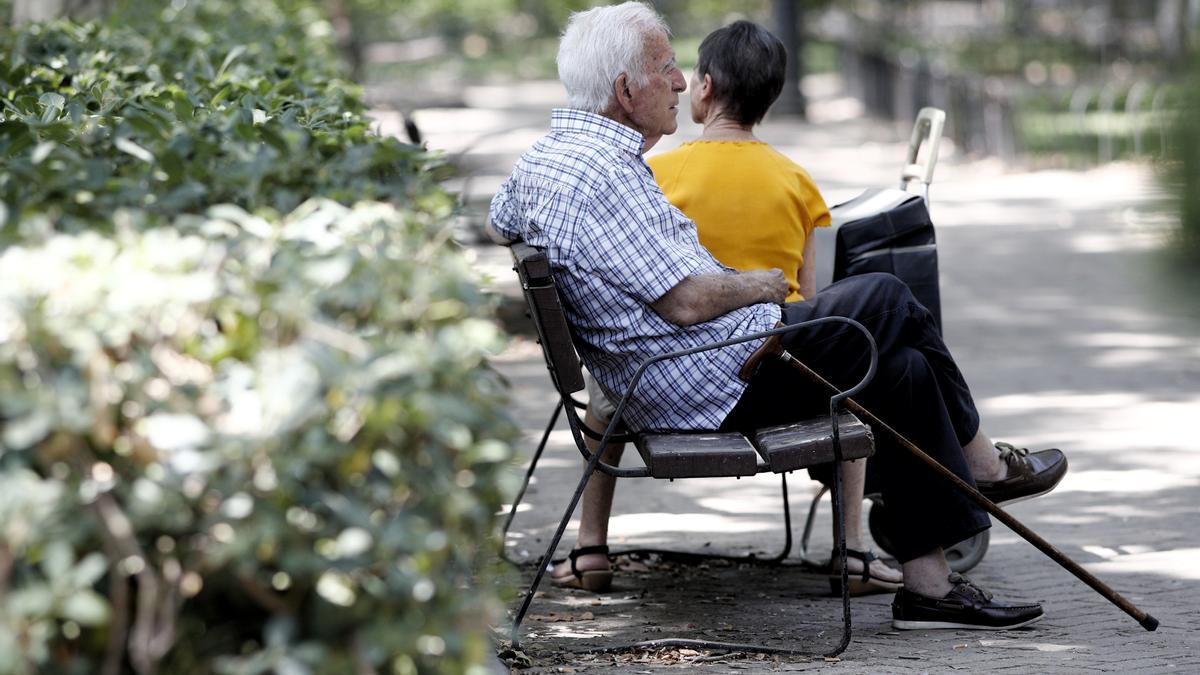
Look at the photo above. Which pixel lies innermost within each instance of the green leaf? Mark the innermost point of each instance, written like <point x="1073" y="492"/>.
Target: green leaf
<point x="42" y="151"/>
<point x="23" y="432"/>
<point x="220" y="96"/>
<point x="90" y="569"/>
<point x="230" y="58"/>
<point x="32" y="600"/>
<point x="85" y="607"/>
<point x="129" y="147"/>
<point x="147" y="124"/>
<point x="183" y="106"/>
<point x="53" y="104"/>
<point x="57" y="559"/>
<point x="75" y="109"/>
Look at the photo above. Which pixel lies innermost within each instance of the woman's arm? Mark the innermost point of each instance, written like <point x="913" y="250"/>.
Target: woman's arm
<point x="806" y="276"/>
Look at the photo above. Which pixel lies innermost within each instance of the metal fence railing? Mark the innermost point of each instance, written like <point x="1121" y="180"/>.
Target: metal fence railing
<point x="989" y="115"/>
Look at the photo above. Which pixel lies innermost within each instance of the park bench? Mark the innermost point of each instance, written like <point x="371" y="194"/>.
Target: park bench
<point x="781" y="449"/>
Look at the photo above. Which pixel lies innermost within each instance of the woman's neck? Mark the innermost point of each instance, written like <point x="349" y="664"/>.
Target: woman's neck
<point x="720" y="128"/>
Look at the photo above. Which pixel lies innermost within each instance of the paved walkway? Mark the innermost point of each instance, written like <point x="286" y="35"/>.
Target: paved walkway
<point x="1073" y="333"/>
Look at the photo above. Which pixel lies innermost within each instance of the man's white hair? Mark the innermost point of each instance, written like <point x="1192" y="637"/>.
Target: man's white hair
<point x="601" y="43"/>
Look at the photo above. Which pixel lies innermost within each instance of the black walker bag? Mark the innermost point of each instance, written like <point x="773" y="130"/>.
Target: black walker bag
<point x="899" y="240"/>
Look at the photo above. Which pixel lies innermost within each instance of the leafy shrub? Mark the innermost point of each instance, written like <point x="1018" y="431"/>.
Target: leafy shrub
<point x="237" y="435"/>
<point x="278" y="443"/>
<point x="170" y="117"/>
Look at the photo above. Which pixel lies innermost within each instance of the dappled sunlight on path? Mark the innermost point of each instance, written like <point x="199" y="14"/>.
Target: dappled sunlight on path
<point x="1179" y="564"/>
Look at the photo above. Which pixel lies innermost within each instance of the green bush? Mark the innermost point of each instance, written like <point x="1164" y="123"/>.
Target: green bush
<point x="236" y="435"/>
<point x="277" y="445"/>
<point x="169" y="117"/>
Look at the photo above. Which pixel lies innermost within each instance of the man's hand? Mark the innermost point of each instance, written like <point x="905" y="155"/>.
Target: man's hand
<point x="700" y="298"/>
<point x="774" y="284"/>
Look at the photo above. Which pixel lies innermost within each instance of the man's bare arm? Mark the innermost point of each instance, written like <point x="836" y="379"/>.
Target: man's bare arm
<point x="706" y="296"/>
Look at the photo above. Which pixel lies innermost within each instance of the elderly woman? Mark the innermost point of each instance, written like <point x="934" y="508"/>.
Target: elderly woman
<point x="754" y="208"/>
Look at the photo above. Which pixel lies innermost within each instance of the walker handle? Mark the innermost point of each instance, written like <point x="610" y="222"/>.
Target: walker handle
<point x="926" y="129"/>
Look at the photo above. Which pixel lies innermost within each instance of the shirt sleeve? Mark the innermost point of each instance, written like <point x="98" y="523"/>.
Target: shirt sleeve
<point x="504" y="214"/>
<point x="814" y="203"/>
<point x="633" y="239"/>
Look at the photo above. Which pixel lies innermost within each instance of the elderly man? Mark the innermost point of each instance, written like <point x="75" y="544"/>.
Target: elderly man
<point x="636" y="282"/>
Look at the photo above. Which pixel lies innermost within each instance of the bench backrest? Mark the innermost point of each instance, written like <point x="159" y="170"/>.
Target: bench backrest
<point x="545" y="308"/>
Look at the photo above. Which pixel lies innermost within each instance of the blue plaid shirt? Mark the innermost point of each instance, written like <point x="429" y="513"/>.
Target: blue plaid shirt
<point x="616" y="245"/>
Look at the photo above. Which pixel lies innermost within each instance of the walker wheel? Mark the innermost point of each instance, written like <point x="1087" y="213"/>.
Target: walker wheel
<point x="962" y="556"/>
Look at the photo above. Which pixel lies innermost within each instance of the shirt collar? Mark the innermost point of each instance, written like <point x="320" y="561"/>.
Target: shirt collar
<point x="578" y="121"/>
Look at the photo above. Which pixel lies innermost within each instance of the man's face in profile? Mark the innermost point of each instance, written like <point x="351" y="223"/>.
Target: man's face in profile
<point x="656" y="104"/>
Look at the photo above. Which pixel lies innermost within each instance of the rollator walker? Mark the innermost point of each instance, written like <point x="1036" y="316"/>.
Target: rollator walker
<point x="889" y="230"/>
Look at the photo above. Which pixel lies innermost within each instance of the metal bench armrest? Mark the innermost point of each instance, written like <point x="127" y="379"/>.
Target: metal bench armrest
<point x="834" y="401"/>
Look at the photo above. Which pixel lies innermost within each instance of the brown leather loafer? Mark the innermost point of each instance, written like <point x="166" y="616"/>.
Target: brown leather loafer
<point x="1030" y="474"/>
<point x="965" y="606"/>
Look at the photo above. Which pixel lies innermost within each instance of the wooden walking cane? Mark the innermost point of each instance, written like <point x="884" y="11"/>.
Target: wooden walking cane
<point x="1147" y="621"/>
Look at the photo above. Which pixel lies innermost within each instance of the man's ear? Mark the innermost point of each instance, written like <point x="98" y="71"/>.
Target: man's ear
<point x="622" y="93"/>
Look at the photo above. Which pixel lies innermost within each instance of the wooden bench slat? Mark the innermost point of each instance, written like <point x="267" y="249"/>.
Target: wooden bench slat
<point x="555" y="336"/>
<point x="554" y="333"/>
<point x="697" y="455"/>
<point x="533" y="263"/>
<point x="799" y="445"/>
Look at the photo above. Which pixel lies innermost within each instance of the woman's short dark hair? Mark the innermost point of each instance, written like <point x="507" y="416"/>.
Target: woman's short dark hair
<point x="747" y="65"/>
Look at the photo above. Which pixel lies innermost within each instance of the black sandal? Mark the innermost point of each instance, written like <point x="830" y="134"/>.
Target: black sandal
<point x="596" y="581"/>
<point x="864" y="583"/>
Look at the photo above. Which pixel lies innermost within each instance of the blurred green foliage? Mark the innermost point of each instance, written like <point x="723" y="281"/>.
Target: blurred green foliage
<point x="220" y="103"/>
<point x="247" y="424"/>
<point x="1182" y="168"/>
<point x="282" y="436"/>
<point x="1047" y="127"/>
<point x="439" y="43"/>
<point x="515" y="20"/>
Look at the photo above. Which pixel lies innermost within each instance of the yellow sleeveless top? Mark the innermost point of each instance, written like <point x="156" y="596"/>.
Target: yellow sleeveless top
<point x="753" y="207"/>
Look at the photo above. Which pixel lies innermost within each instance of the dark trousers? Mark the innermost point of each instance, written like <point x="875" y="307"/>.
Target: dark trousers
<point x="917" y="390"/>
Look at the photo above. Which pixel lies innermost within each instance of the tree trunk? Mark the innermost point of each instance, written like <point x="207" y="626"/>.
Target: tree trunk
<point x="1173" y="26"/>
<point x="28" y="11"/>
<point x="349" y="41"/>
<point x="789" y="26"/>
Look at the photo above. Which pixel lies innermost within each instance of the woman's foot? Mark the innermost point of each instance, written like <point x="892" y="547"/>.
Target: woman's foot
<point x="586" y="567"/>
<point x="879" y="578"/>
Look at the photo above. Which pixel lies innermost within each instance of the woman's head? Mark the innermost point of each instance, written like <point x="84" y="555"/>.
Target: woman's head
<point x="747" y="65"/>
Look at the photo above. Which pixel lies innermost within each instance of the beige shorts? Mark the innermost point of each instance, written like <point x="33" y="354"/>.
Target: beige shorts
<point x="598" y="401"/>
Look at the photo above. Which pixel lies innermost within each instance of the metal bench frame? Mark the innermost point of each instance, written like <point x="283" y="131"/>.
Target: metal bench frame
<point x="674" y="554"/>
<point x="779" y="449"/>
